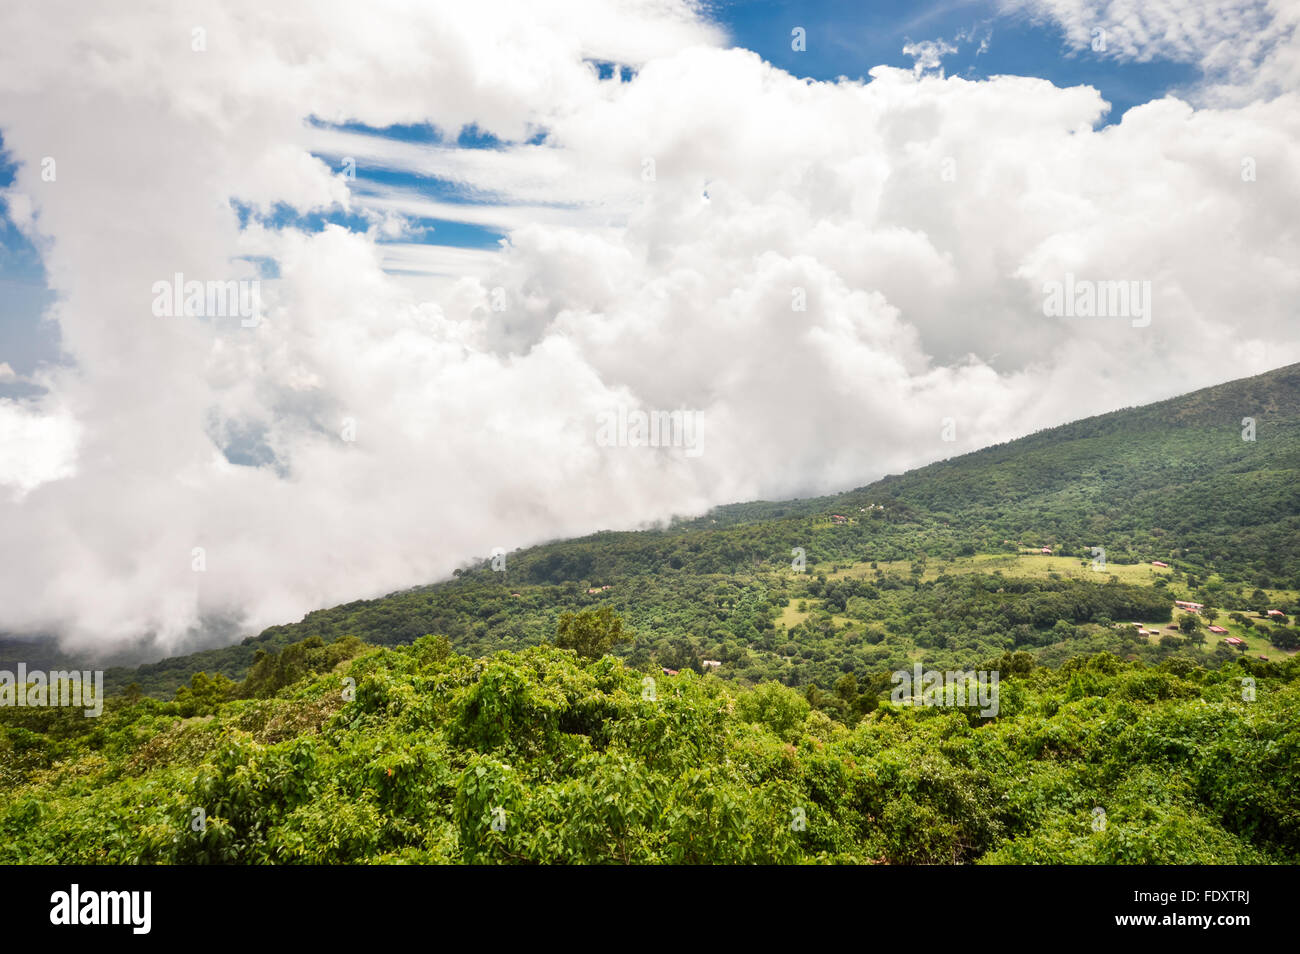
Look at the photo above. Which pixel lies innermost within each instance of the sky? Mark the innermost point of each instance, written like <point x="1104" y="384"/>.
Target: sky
<point x="475" y="241"/>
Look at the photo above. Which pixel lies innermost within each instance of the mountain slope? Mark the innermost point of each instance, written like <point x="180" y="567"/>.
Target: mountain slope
<point x="1172" y="481"/>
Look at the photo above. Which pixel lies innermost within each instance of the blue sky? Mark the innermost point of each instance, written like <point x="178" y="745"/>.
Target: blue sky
<point x="842" y="39"/>
<point x="845" y="38"/>
<point x="25" y="339"/>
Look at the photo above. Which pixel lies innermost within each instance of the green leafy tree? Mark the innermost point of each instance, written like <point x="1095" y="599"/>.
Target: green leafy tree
<point x="204" y="693"/>
<point x="781" y="709"/>
<point x="1284" y="638"/>
<point x="846" y="687"/>
<point x="590" y="633"/>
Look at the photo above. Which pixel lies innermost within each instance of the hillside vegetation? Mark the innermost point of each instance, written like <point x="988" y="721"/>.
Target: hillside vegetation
<point x="540" y="756"/>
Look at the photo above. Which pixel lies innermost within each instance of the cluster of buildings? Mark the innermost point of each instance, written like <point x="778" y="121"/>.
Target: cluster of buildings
<point x="1191" y="607"/>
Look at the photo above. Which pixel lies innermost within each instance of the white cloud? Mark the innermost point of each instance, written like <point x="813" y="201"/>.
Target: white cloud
<point x="928" y="54"/>
<point x="1246" y="49"/>
<point x="919" y="216"/>
<point x="34" y="448"/>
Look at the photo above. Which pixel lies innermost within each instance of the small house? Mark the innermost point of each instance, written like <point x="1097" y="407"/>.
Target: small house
<point x="710" y="663"/>
<point x="1234" y="641"/>
<point x="1218" y="630"/>
<point x="1159" y="563"/>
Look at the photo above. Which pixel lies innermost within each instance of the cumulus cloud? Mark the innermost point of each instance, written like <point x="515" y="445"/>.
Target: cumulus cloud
<point x="34" y="448"/>
<point x="825" y="272"/>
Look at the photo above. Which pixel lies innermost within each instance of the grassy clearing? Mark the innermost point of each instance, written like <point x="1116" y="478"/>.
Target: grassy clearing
<point x="790" y="616"/>
<point x="1023" y="565"/>
<point x="1028" y="565"/>
<point x="1041" y="566"/>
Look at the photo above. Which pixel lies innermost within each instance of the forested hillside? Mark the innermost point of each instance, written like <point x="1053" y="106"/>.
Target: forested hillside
<point x="541" y="756"/>
<point x="1173" y="482"/>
